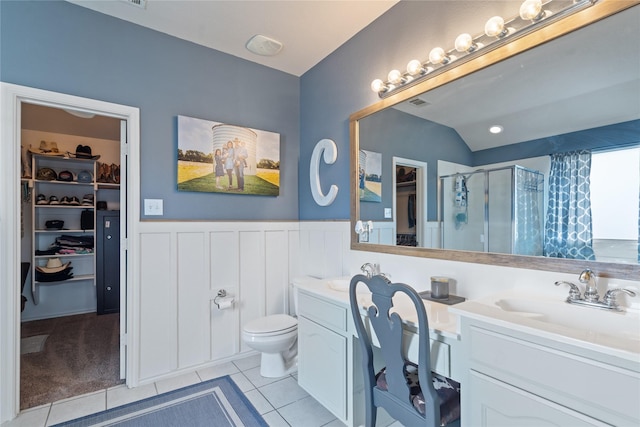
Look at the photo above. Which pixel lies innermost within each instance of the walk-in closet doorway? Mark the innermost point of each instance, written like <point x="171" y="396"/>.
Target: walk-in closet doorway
<point x="16" y="101"/>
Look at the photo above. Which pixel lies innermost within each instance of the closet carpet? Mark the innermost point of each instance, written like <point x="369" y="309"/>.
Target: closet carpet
<point x="81" y="355"/>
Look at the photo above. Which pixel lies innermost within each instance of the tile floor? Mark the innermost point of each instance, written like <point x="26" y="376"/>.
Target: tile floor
<point x="280" y="400"/>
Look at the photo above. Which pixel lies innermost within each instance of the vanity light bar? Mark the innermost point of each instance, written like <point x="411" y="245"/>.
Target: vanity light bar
<point x="534" y="14"/>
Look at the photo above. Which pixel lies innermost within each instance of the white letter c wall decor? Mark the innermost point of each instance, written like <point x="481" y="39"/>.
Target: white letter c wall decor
<point x="330" y="155"/>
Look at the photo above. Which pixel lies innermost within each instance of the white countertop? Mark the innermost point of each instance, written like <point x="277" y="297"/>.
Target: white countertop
<point x="612" y="333"/>
<point x="607" y="332"/>
<point x="441" y="321"/>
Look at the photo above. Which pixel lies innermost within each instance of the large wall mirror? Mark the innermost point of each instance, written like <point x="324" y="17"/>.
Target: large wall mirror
<point x="448" y="188"/>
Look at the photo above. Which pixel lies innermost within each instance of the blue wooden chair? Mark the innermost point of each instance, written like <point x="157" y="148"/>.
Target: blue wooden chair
<point x="410" y="393"/>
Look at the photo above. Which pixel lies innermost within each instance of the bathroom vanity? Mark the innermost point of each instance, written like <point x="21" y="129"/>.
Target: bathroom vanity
<point x="535" y="361"/>
<point x="329" y="356"/>
<point x="522" y="359"/>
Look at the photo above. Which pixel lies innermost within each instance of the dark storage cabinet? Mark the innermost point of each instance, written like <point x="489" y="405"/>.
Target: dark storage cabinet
<point x="108" y="261"/>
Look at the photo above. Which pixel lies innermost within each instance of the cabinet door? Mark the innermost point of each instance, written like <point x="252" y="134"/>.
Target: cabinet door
<point x="322" y="365"/>
<point x="496" y="404"/>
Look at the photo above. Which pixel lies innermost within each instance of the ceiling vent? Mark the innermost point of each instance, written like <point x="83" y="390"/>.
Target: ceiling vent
<point x="142" y="4"/>
<point x="263" y="45"/>
<point x="418" y="102"/>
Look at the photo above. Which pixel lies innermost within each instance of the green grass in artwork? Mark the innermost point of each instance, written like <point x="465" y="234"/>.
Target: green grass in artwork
<point x="370" y="196"/>
<point x="252" y="185"/>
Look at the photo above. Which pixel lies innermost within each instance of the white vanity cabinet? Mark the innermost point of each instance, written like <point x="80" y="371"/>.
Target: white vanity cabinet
<point x="518" y="379"/>
<point x="323" y="352"/>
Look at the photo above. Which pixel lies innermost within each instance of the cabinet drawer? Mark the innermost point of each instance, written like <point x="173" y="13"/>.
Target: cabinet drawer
<point x="495" y="403"/>
<point x="603" y="391"/>
<point x="323" y="312"/>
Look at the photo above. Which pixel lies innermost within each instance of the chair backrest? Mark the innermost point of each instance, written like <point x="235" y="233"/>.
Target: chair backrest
<point x="388" y="328"/>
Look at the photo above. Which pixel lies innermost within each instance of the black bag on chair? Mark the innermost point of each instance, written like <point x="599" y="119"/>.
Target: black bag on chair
<point x="86" y="220"/>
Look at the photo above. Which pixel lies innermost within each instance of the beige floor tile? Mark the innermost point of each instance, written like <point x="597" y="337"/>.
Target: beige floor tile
<point x="218" y="371"/>
<point x="76" y="407"/>
<point x="175" y="383"/>
<point x="32" y="417"/>
<point x="121" y="395"/>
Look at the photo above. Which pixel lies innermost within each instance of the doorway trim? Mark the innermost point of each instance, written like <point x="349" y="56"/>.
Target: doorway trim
<point x="11" y="98"/>
<point x="421" y="196"/>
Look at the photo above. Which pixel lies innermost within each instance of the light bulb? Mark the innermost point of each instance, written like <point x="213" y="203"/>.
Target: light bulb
<point x="436" y="55"/>
<point x="414" y="67"/>
<point x="495" y="27"/>
<point x="395" y="77"/>
<point x="439" y="56"/>
<point x="378" y="86"/>
<point x="496" y="129"/>
<point x="463" y="42"/>
<point x="531" y="10"/>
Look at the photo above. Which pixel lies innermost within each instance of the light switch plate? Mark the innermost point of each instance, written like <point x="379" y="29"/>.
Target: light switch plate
<point x="153" y="206"/>
<point x="387" y="212"/>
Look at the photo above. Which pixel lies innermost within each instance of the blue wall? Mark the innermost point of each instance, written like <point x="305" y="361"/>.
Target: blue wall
<point x="58" y="46"/>
<point x="394" y="133"/>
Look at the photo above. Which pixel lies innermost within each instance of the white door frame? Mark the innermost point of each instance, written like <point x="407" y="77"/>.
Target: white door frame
<point x="10" y="124"/>
<point x="421" y="196"/>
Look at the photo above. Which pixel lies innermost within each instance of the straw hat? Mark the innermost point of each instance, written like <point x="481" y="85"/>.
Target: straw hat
<point x="54" y="265"/>
<point x="48" y="148"/>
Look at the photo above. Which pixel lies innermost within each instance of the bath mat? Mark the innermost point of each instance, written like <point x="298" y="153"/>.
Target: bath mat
<point x="218" y="402"/>
<point x="34" y="344"/>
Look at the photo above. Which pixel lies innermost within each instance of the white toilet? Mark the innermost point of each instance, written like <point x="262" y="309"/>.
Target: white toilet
<point x="276" y="337"/>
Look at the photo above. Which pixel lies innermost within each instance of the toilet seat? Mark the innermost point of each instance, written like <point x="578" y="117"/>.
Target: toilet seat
<point x="277" y="324"/>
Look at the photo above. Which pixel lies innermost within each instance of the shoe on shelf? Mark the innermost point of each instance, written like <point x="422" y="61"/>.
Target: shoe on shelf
<point x="53" y="200"/>
<point x="42" y="200"/>
<point x="74" y="201"/>
<point x="65" y="200"/>
<point x="87" y="200"/>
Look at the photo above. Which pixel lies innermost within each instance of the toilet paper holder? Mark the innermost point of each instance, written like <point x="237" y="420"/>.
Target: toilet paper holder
<point x="222" y="300"/>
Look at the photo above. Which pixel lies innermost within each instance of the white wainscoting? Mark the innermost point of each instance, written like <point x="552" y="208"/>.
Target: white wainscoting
<point x="183" y="265"/>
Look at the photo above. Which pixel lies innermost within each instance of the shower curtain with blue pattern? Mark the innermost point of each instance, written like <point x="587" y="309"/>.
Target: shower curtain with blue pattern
<point x="568" y="224"/>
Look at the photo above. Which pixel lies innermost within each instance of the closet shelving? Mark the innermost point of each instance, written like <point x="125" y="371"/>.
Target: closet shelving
<point x="84" y="264"/>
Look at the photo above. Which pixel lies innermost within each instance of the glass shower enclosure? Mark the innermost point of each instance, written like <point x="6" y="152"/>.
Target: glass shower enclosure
<point x="493" y="210"/>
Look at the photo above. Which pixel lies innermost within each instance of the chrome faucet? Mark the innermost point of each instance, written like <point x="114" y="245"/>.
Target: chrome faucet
<point x="370" y="270"/>
<point x="588" y="277"/>
<point x="591" y="297"/>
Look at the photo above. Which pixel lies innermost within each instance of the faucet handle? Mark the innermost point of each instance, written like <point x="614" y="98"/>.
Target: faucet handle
<point x="610" y="296"/>
<point x="574" y="291"/>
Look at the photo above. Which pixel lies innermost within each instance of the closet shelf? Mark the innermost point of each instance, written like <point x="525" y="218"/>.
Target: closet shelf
<point x="78" y="278"/>
<point x="108" y="186"/>
<point x="83" y="184"/>
<point x="62" y="231"/>
<point x="64" y="206"/>
<point x="63" y="256"/>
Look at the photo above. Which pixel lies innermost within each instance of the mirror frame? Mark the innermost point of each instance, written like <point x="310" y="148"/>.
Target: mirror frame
<point x="596" y="12"/>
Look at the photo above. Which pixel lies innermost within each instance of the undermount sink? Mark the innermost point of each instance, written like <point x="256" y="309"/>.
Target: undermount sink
<point x="342" y="284"/>
<point x="591" y="320"/>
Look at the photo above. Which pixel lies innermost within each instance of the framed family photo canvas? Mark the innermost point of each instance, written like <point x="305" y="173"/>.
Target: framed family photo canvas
<point x="370" y="176"/>
<point x="216" y="157"/>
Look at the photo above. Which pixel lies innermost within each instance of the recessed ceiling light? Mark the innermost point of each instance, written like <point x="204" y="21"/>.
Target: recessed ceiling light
<point x="263" y="45"/>
<point x="495" y="129"/>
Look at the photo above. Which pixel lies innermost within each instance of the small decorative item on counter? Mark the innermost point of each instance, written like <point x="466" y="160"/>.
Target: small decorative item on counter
<point x="439" y="287"/>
